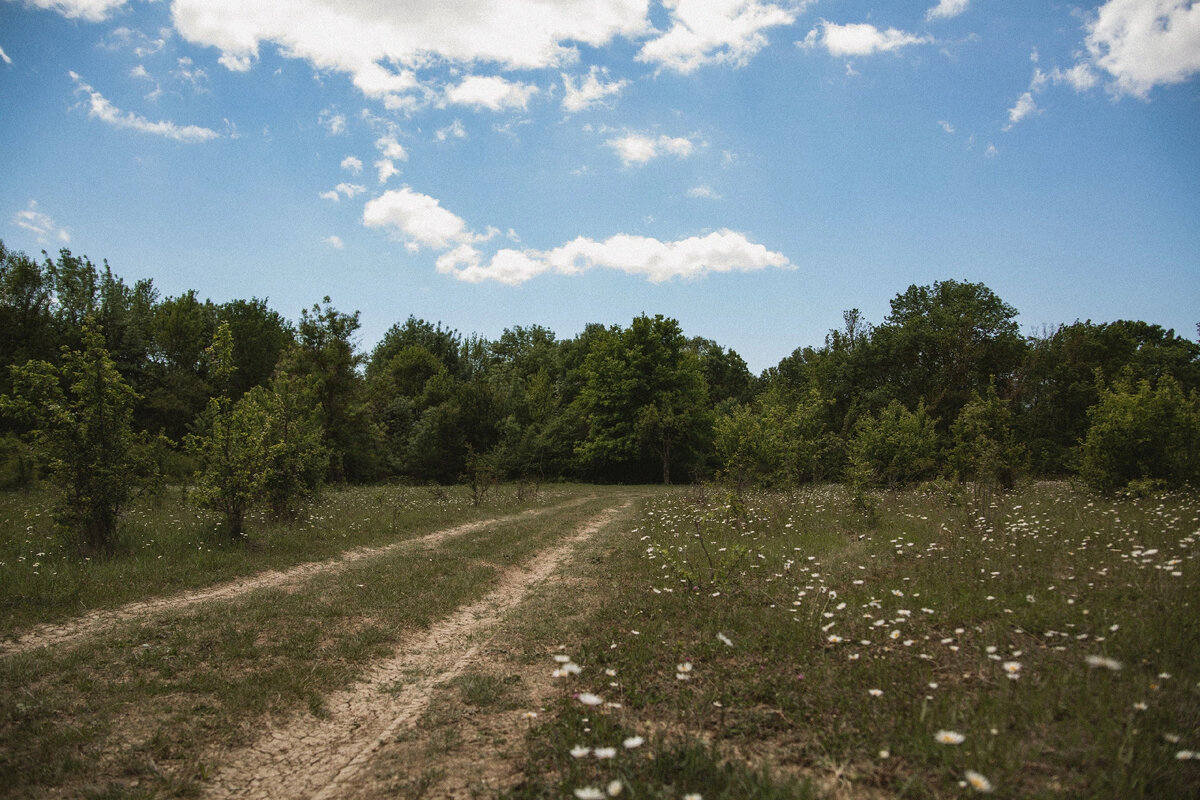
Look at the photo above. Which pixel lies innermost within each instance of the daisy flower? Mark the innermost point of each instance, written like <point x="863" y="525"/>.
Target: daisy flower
<point x="949" y="737"/>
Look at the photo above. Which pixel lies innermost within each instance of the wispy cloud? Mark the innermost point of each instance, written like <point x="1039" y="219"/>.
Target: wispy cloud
<point x="491" y="92"/>
<point x="4" y="56"/>
<point x="590" y="91"/>
<point x="100" y="108"/>
<point x="41" y="225"/>
<point x="90" y="10"/>
<point x="714" y="32"/>
<point x="346" y="190"/>
<point x="335" y="242"/>
<point x="946" y="9"/>
<point x="703" y="191"/>
<point x="353" y="165"/>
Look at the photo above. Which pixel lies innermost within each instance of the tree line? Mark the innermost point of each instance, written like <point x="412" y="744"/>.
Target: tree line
<point x="251" y="408"/>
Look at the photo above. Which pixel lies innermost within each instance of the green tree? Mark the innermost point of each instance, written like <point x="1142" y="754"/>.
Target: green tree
<point x="1142" y="433"/>
<point x="295" y="460"/>
<point x="985" y="448"/>
<point x="80" y="421"/>
<point x="644" y="396"/>
<point x="894" y="448"/>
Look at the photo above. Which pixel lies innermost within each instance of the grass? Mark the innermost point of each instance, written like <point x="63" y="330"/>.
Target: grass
<point x="771" y="646"/>
<point x="148" y="707"/>
<point x="165" y="546"/>
<point x="853" y="641"/>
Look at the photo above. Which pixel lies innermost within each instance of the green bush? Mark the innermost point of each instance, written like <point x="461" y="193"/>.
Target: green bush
<point x="1142" y="433"/>
<point x="896" y="448"/>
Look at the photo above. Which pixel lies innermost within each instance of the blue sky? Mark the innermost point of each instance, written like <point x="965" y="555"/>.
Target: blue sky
<point x="749" y="167"/>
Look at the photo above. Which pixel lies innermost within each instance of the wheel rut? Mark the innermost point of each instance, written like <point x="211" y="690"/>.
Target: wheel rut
<point x="321" y="757"/>
<point x="95" y="622"/>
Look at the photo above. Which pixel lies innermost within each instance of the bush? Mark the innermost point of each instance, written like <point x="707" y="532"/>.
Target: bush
<point x="1142" y="434"/>
<point x="896" y="448"/>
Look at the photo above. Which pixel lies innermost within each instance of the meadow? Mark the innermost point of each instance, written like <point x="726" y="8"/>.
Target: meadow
<point x="703" y="643"/>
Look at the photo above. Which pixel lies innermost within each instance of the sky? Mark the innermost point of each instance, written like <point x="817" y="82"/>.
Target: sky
<point x="751" y="168"/>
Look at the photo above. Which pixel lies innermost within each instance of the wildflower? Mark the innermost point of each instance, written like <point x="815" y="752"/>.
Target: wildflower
<point x="725" y="640"/>
<point x="632" y="742"/>
<point x="1140" y="706"/>
<point x="589" y="793"/>
<point x="589" y="699"/>
<point x="875" y="692"/>
<point x="530" y="715"/>
<point x="978" y="782"/>
<point x="684" y="667"/>
<point x="579" y="751"/>
<point x="884" y="754"/>
<point x="605" y="752"/>
<point x="949" y="737"/>
<point x="693" y="796"/>
<point x="1104" y="661"/>
<point x="1186" y="755"/>
<point x="562" y="658"/>
<point x="834" y="638"/>
<point x="1013" y="668"/>
<point x="614" y="787"/>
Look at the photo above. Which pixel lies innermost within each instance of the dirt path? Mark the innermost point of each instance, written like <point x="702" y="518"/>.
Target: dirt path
<point x="94" y="622"/>
<point x="320" y="758"/>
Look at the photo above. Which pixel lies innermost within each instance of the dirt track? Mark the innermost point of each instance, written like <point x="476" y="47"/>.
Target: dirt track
<point x="323" y="758"/>
<point x="97" y="621"/>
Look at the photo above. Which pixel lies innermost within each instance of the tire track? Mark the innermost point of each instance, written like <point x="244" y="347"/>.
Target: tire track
<point x="95" y="622"/>
<point x="319" y="758"/>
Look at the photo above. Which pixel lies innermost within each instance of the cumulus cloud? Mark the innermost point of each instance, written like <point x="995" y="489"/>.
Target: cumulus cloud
<point x="590" y="91"/>
<point x="388" y="147"/>
<point x="100" y="108"/>
<point x="658" y="261"/>
<point x="946" y="9"/>
<point x="381" y="43"/>
<point x="638" y="148"/>
<point x="1145" y="43"/>
<point x="353" y="165"/>
<point x="491" y="92"/>
<point x="90" y="10"/>
<point x="347" y="190"/>
<point x="386" y="168"/>
<point x="418" y="219"/>
<point x="859" y="39"/>
<point x="335" y="242"/>
<point x="714" y="32"/>
<point x="41" y="225"/>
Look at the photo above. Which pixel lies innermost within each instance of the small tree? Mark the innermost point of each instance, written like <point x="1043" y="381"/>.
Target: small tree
<point x="985" y="448"/>
<point x="1142" y="434"/>
<point x="296" y="459"/>
<point x="79" y="417"/>
<point x="895" y="448"/>
<point x="231" y="446"/>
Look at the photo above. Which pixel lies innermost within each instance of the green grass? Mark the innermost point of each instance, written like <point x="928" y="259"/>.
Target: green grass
<point x="147" y="703"/>
<point x="944" y="594"/>
<point x="165" y="545"/>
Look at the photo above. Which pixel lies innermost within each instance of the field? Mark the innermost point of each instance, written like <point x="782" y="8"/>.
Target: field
<point x="604" y="641"/>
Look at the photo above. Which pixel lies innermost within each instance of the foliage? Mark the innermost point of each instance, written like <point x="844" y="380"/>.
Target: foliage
<point x="985" y="449"/>
<point x="79" y="418"/>
<point x="1140" y="433"/>
<point x="896" y="448"/>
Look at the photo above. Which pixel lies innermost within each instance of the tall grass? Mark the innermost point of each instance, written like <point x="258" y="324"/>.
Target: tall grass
<point x="1044" y="644"/>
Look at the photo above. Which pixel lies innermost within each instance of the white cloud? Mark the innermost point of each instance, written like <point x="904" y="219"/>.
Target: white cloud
<point x="343" y="189"/>
<point x="417" y="218"/>
<point x="4" y="56"/>
<point x="381" y="43"/>
<point x="454" y="129"/>
<point x="991" y="151"/>
<point x="946" y="9"/>
<point x="90" y="10"/>
<point x="713" y="32"/>
<point x="703" y="191"/>
<point x="946" y="126"/>
<point x="638" y="148"/>
<point x="41" y="225"/>
<point x="140" y="72"/>
<point x="354" y="165"/>
<point x="1024" y="106"/>
<point x="388" y="147"/>
<point x="1081" y="77"/>
<point x="1145" y="43"/>
<point x="859" y="39"/>
<point x="591" y="90"/>
<point x="335" y="242"/>
<point x="386" y="169"/>
<point x="333" y="122"/>
<point x="491" y="92"/>
<point x="100" y="108"/>
<point x="658" y="261"/>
